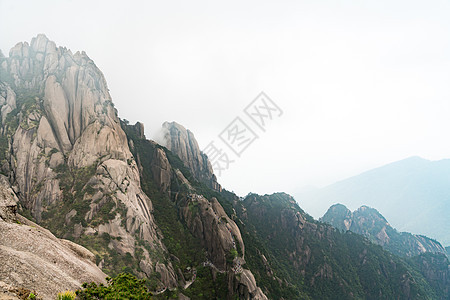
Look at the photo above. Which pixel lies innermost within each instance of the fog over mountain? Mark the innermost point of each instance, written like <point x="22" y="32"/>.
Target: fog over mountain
<point x="85" y="194"/>
<point x="413" y="194"/>
<point x="360" y="84"/>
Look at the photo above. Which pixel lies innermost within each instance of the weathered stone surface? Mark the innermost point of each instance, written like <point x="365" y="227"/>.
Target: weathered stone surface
<point x="183" y="143"/>
<point x="167" y="274"/>
<point x="209" y="222"/>
<point x="254" y="292"/>
<point x="8" y="201"/>
<point x="34" y="258"/>
<point x="68" y="119"/>
<point x="7" y="100"/>
<point x="161" y="169"/>
<point x="67" y="123"/>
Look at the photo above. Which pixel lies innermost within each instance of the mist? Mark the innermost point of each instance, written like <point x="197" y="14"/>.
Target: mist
<point x="361" y="84"/>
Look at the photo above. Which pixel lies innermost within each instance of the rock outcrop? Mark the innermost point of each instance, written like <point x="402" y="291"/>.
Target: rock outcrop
<point x="370" y="223"/>
<point x="66" y="154"/>
<point x="203" y="215"/>
<point x="182" y="142"/>
<point x="218" y="233"/>
<point x="247" y="289"/>
<point x="34" y="259"/>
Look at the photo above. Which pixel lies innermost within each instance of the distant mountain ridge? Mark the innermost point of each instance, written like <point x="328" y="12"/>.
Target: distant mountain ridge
<point x="326" y="263"/>
<point x="371" y="224"/>
<point x="413" y="194"/>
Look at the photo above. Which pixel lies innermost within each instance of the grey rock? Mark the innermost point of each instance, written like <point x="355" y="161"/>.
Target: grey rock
<point x="34" y="258"/>
<point x="161" y="169"/>
<point x="182" y="142"/>
<point x="72" y="122"/>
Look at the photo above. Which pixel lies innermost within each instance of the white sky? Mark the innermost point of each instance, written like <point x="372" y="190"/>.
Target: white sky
<point x="361" y="83"/>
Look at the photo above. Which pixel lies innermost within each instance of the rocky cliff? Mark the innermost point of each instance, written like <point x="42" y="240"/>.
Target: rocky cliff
<point x="182" y="142"/>
<point x="371" y="224"/>
<point x="191" y="202"/>
<point x="34" y="259"/>
<point x="157" y="211"/>
<point x="67" y="157"/>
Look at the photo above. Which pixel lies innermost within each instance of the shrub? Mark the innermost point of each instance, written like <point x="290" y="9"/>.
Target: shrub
<point x="124" y="286"/>
<point x="67" y="295"/>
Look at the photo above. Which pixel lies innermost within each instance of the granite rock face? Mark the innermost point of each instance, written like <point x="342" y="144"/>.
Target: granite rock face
<point x="35" y="259"/>
<point x="61" y="137"/>
<point x="72" y="167"/>
<point x="182" y="142"/>
<point x="208" y="221"/>
<point x="202" y="214"/>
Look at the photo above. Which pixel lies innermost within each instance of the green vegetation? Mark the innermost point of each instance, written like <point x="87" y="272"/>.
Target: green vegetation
<point x="231" y="255"/>
<point x="77" y="194"/>
<point x="31" y="296"/>
<point x="74" y="185"/>
<point x="370" y="223"/>
<point x="433" y="266"/>
<point x="185" y="249"/>
<point x="177" y="237"/>
<point x="320" y="261"/>
<point x="67" y="295"/>
<point x="205" y="287"/>
<point x="123" y="286"/>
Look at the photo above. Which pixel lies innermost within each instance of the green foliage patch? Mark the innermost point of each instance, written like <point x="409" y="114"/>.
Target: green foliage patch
<point x="123" y="286"/>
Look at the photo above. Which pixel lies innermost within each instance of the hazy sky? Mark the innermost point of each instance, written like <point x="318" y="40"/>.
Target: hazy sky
<point x="361" y="83"/>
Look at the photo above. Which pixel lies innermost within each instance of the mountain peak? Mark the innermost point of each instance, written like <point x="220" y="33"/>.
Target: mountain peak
<point x="182" y="142"/>
<point x="416" y="187"/>
<point x="40" y="39"/>
<point x="174" y="125"/>
<point x="338" y="206"/>
<point x="371" y="223"/>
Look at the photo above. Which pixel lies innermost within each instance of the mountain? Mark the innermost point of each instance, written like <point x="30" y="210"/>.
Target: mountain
<point x="182" y="142"/>
<point x="156" y="210"/>
<point x="427" y="255"/>
<point x="287" y="253"/>
<point x="68" y="158"/>
<point x="197" y="229"/>
<point x="412" y="194"/>
<point x="326" y="263"/>
<point x="33" y="257"/>
<point x="370" y="223"/>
